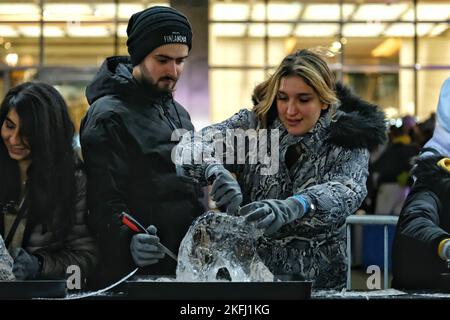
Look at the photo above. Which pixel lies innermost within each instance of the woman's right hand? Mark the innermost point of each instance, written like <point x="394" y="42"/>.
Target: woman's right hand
<point x="26" y="265"/>
<point x="225" y="190"/>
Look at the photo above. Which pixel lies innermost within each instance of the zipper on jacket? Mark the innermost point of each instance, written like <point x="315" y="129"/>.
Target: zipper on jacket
<point x="165" y="114"/>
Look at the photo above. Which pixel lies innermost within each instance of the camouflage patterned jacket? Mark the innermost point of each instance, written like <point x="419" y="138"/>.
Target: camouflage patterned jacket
<point x="331" y="170"/>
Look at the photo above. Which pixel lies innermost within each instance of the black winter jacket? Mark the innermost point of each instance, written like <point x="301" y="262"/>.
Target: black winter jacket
<point x="424" y="222"/>
<point x="126" y="145"/>
<point x="78" y="247"/>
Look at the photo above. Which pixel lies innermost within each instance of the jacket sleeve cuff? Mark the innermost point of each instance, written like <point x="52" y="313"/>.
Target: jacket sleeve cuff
<point x="443" y="247"/>
<point x="303" y="202"/>
<point x="45" y="271"/>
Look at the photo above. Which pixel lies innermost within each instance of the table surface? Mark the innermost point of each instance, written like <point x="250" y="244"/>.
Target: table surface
<point x="173" y="290"/>
<point x="389" y="294"/>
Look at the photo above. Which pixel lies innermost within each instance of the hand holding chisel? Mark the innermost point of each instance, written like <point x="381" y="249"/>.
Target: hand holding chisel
<point x="146" y="250"/>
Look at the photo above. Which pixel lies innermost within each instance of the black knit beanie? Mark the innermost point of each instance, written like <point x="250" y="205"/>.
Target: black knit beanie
<point x="154" y="27"/>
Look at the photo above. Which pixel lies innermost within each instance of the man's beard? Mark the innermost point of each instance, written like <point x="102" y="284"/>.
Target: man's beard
<point x="148" y="81"/>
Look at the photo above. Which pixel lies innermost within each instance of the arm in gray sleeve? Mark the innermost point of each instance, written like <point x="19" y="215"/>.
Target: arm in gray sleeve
<point x="343" y="188"/>
<point x="213" y="144"/>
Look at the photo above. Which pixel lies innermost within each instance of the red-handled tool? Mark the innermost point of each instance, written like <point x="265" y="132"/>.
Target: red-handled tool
<point x="126" y="221"/>
<point x="134" y="225"/>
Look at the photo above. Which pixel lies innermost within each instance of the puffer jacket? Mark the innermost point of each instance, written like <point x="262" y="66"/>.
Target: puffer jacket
<point x="331" y="171"/>
<point x="423" y="223"/>
<point x="79" y="247"/>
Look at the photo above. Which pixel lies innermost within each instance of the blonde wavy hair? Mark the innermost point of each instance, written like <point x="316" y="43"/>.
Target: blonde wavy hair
<point x="309" y="65"/>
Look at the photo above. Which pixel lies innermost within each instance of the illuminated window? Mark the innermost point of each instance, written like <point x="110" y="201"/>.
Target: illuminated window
<point x="374" y="45"/>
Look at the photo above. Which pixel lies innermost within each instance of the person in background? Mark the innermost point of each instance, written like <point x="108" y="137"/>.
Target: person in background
<point x="391" y="170"/>
<point x="325" y="132"/>
<point x="421" y="248"/>
<point x="411" y="129"/>
<point x="427" y="128"/>
<point x="126" y="141"/>
<point x="43" y="189"/>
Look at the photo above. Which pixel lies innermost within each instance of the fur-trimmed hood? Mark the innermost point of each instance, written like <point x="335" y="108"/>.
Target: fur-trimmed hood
<point x="357" y="123"/>
<point x="432" y="176"/>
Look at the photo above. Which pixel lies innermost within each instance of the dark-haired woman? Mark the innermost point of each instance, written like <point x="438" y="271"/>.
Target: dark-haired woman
<point x="43" y="187"/>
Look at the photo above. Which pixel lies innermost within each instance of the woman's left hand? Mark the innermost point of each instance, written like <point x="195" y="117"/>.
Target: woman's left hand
<point x="271" y="215"/>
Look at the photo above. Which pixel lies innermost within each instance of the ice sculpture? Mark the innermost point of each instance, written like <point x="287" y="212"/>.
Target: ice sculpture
<point x="219" y="247"/>
<point x="6" y="263"/>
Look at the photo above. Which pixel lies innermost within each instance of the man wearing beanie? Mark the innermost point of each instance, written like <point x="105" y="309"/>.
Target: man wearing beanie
<point x="421" y="251"/>
<point x="126" y="144"/>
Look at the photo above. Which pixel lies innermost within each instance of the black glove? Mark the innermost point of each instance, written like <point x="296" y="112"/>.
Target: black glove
<point x="145" y="248"/>
<point x="225" y="189"/>
<point x="26" y="266"/>
<point x="271" y="215"/>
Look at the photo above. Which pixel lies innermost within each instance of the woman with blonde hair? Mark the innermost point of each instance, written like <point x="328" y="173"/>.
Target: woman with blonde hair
<point x="324" y="136"/>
